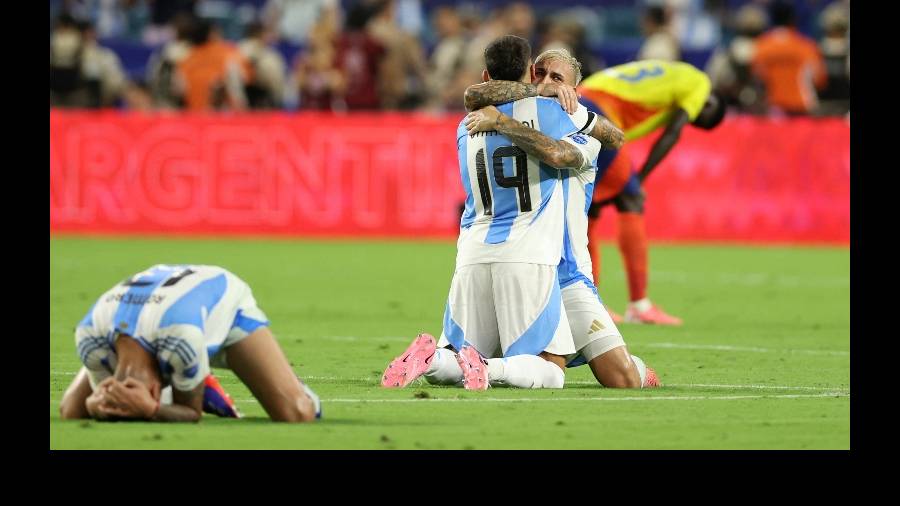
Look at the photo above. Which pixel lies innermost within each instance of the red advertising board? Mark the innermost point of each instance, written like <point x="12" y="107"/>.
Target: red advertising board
<point x="396" y="175"/>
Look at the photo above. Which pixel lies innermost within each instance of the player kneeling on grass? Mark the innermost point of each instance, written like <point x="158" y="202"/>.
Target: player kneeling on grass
<point x="164" y="327"/>
<point x="597" y="340"/>
<point x="595" y="337"/>
<point x="504" y="297"/>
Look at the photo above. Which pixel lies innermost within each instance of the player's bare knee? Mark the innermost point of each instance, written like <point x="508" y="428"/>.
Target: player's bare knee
<point x="624" y="375"/>
<point x="614" y="367"/>
<point x="623" y="380"/>
<point x="296" y="410"/>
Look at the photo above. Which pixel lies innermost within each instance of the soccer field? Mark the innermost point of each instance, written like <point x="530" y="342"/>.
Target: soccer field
<point x="763" y="360"/>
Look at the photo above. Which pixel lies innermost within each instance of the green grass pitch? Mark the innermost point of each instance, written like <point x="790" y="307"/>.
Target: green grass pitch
<point x="763" y="360"/>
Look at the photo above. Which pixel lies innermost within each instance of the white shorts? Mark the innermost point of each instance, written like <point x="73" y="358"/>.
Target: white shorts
<point x="593" y="330"/>
<point x="506" y="309"/>
<point x="247" y="318"/>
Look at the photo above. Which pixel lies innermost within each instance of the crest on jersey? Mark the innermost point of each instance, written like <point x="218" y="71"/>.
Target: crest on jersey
<point x="579" y="139"/>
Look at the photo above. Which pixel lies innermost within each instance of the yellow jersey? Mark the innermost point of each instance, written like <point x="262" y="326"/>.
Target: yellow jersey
<point x="641" y="96"/>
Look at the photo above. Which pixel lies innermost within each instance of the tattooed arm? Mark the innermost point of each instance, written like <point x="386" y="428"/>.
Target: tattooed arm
<point x="609" y="135"/>
<point x="559" y="154"/>
<point x="501" y="92"/>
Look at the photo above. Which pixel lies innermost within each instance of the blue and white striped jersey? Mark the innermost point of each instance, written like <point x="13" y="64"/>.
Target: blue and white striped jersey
<point x="578" y="193"/>
<point x="514" y="202"/>
<point x="578" y="190"/>
<point x="181" y="314"/>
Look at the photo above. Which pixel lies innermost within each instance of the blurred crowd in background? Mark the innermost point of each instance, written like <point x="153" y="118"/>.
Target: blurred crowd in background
<point x="771" y="57"/>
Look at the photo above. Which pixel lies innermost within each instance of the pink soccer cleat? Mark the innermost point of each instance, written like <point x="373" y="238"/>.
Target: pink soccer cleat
<point x="216" y="400"/>
<point x="411" y="364"/>
<point x="616" y="317"/>
<point x="475" y="372"/>
<point x="651" y="380"/>
<point x="655" y="315"/>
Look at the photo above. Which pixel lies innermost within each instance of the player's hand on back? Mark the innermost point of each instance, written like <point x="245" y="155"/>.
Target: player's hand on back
<point x="482" y="120"/>
<point x="567" y="95"/>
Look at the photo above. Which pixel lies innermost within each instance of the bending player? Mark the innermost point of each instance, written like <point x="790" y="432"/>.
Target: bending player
<point x="166" y="326"/>
<point x="640" y="98"/>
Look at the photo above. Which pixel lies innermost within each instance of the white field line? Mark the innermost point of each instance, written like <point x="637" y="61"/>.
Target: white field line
<point x="753" y="349"/>
<point x="565" y="399"/>
<point x="588" y="382"/>
<point x="730" y="387"/>
<point x="705" y="386"/>
<point x="648" y="398"/>
<point x="686" y="346"/>
<point x="746" y="279"/>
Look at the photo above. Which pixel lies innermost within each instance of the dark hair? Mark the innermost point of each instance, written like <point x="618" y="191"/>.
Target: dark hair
<point x="656" y="14"/>
<point x="85" y="25"/>
<point x="183" y="22"/>
<point x="716" y="115"/>
<point x="781" y="14"/>
<point x="253" y="29"/>
<point x="200" y="32"/>
<point x="507" y="58"/>
<point x="358" y="16"/>
<point x="66" y="20"/>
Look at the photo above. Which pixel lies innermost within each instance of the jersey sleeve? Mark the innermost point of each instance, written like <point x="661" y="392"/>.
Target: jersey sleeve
<point x="95" y="354"/>
<point x="693" y="90"/>
<point x="584" y="118"/>
<point x="181" y="353"/>
<point x="589" y="147"/>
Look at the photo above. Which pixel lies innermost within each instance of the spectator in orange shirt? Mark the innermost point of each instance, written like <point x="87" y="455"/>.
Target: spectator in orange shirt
<point x="213" y="73"/>
<point x="789" y="64"/>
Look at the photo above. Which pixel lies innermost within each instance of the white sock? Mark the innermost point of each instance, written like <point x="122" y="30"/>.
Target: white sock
<point x="641" y="305"/>
<point x="525" y="371"/>
<point x="444" y="370"/>
<point x="641" y="367"/>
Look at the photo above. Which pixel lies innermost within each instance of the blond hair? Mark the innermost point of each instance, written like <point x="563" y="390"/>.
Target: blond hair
<point x="564" y="55"/>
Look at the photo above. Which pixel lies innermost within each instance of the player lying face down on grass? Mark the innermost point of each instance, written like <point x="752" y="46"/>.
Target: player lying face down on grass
<point x="166" y="326"/>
